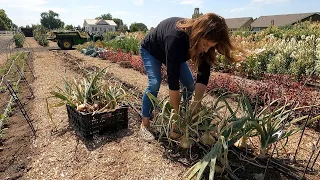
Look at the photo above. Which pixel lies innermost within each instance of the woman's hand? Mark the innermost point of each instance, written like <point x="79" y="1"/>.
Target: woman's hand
<point x="175" y="99"/>
<point x="196" y="104"/>
<point x="195" y="108"/>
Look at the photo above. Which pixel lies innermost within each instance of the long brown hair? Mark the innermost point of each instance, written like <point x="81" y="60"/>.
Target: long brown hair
<point x="211" y="27"/>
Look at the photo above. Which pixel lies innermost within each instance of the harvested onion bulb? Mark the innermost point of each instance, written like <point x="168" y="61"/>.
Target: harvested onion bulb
<point x="185" y="142"/>
<point x="207" y="139"/>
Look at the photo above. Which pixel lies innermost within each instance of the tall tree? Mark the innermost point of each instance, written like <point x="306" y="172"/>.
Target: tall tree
<point x="125" y="27"/>
<point x="105" y="16"/>
<point x="118" y="22"/>
<point x="14" y="26"/>
<point x="3" y="25"/>
<point x="138" y="27"/>
<point x="5" y="22"/>
<point x="35" y="26"/>
<point x="51" y="20"/>
<point x="69" y="27"/>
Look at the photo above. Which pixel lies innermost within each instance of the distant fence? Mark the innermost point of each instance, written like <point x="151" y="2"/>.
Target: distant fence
<point x="6" y="32"/>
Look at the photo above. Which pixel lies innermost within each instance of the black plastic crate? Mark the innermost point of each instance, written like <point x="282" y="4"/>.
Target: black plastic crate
<point x="99" y="123"/>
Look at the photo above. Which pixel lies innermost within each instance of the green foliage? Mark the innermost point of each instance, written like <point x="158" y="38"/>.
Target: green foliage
<point x="272" y="123"/>
<point x="110" y="35"/>
<point x="193" y="124"/>
<point x="245" y="33"/>
<point x="105" y="16"/>
<point x="92" y="94"/>
<point x="20" y="60"/>
<point x="276" y="32"/>
<point x="43" y="41"/>
<point x="296" y="31"/>
<point x="301" y="29"/>
<point x="134" y="27"/>
<point x="40" y="35"/>
<point x="255" y="65"/>
<point x="5" y="22"/>
<point x="119" y="23"/>
<point x="51" y="20"/>
<point x="3" y="116"/>
<point x="292" y="50"/>
<point x="69" y="27"/>
<point x="19" y="40"/>
<point x="120" y="26"/>
<point x="126" y="44"/>
<point x="295" y="57"/>
<point x="223" y="64"/>
<point x="3" y="89"/>
<point x="36" y="26"/>
<point x="125" y="27"/>
<point x="1" y="132"/>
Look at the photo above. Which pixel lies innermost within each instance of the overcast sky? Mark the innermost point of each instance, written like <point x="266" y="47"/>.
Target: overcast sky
<point x="151" y="12"/>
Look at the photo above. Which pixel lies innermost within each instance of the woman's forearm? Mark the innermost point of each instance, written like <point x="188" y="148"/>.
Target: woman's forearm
<point x="199" y="91"/>
<point x="175" y="99"/>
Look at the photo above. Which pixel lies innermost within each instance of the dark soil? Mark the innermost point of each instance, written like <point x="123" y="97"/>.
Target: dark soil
<point x="15" y="144"/>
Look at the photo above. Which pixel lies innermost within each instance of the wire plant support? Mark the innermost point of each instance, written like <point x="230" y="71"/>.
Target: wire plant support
<point x="21" y="107"/>
<point x="12" y="78"/>
<point x="315" y="146"/>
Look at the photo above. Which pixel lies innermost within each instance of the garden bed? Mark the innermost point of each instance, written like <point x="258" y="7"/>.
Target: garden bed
<point x="15" y="143"/>
<point x="15" y="137"/>
<point x="183" y="157"/>
<point x="62" y="154"/>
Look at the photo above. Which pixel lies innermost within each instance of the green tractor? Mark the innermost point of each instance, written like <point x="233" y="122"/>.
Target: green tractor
<point x="66" y="39"/>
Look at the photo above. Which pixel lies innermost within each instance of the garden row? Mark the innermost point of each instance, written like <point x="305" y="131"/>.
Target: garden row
<point x="268" y="88"/>
<point x="19" y="40"/>
<point x="293" y="50"/>
<point x="40" y="35"/>
<point x="299" y="58"/>
<point x="10" y="72"/>
<point x="297" y="30"/>
<point x="214" y="132"/>
<point x="209" y="130"/>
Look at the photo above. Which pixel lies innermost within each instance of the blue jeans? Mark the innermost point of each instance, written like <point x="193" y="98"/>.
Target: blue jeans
<point x="153" y="70"/>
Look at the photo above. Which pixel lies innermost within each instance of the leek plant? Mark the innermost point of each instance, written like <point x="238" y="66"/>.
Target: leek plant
<point x="209" y="127"/>
<point x="273" y="123"/>
<point x="202" y="127"/>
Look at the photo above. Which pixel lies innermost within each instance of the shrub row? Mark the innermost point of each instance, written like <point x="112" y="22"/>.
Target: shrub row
<point x="299" y="58"/>
<point x="19" y="40"/>
<point x="40" y="35"/>
<point x="128" y="44"/>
